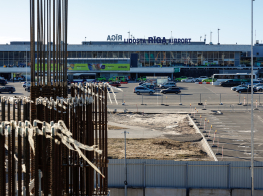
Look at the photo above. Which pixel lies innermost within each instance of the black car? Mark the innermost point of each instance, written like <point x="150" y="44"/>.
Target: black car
<point x="246" y="90"/>
<point x="171" y="90"/>
<point x="8" y="89"/>
<point x="230" y="83"/>
<point x="2" y="82"/>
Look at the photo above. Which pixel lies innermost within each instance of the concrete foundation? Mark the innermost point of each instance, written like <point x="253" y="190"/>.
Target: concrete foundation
<point x="164" y="191"/>
<point x="246" y="192"/>
<point x="208" y="192"/>
<point x="130" y="192"/>
<point x="182" y="192"/>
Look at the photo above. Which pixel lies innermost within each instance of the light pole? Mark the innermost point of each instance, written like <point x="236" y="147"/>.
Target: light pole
<point x="218" y="36"/>
<point x="200" y="38"/>
<point x="26" y="69"/>
<point x="85" y="38"/>
<point x="252" y="122"/>
<point x="211" y="37"/>
<point x="125" y="164"/>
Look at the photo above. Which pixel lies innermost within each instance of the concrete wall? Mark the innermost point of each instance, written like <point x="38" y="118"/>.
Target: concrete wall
<point x="182" y="192"/>
<point x="246" y="192"/>
<point x="208" y="192"/>
<point x="130" y="192"/>
<point x="164" y="191"/>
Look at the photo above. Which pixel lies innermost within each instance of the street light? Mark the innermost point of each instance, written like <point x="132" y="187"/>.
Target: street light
<point x="252" y="122"/>
<point x="125" y="164"/>
<point x="218" y="36"/>
<point x="200" y="38"/>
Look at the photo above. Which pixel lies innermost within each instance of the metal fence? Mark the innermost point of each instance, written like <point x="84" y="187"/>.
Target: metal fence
<point x="194" y="99"/>
<point x="180" y="174"/>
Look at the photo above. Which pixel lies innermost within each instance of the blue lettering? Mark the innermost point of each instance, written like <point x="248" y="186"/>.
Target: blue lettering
<point x="158" y="39"/>
<point x="182" y="40"/>
<point x="144" y="41"/>
<point x="175" y="41"/>
<point x="130" y="40"/>
<point x="164" y="40"/>
<point x="126" y="41"/>
<point x="150" y="40"/>
<point x="134" y="40"/>
<point x="108" y="38"/>
<point x="189" y="40"/>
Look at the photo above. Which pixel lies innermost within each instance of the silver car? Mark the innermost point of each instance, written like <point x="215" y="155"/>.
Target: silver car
<point x="168" y="84"/>
<point x="189" y="79"/>
<point x="142" y="89"/>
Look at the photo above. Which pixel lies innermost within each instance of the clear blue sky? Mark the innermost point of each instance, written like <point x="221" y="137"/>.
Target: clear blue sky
<point x="144" y="18"/>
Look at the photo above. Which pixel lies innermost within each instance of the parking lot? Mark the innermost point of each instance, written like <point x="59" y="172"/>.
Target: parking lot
<point x="233" y="126"/>
<point x="211" y="97"/>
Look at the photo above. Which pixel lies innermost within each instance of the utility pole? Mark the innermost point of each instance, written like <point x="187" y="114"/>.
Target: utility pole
<point x="252" y="121"/>
<point x="218" y="36"/>
<point x="125" y="163"/>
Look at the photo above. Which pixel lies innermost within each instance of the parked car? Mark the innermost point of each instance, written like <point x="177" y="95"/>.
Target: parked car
<point x="234" y="88"/>
<point x="142" y="89"/>
<point x="259" y="88"/>
<point x="27" y="88"/>
<point x="116" y="84"/>
<point x="189" y="79"/>
<point x="168" y="84"/>
<point x="148" y="85"/>
<point x="180" y="78"/>
<point x="9" y="89"/>
<point x="246" y="90"/>
<point x="26" y="83"/>
<point x="209" y="80"/>
<point x="175" y="90"/>
<point x="2" y="82"/>
<point x="142" y="79"/>
<point x="201" y="78"/>
<point x="118" y="79"/>
<point x="21" y="78"/>
<point x="230" y="83"/>
<point x="101" y="79"/>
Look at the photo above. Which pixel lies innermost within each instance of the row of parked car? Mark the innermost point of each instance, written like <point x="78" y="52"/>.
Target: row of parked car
<point x="244" y="88"/>
<point x="168" y="87"/>
<point x="191" y="79"/>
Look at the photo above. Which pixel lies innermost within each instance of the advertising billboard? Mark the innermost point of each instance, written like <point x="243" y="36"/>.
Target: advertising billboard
<point x="94" y="67"/>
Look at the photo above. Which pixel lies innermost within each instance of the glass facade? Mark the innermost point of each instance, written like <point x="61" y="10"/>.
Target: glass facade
<point x="145" y="58"/>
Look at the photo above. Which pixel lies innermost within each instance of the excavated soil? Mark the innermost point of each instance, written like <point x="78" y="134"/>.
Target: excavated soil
<point x="178" y="142"/>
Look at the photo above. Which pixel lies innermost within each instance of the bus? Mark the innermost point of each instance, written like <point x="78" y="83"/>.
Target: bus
<point x="84" y="77"/>
<point x="240" y="77"/>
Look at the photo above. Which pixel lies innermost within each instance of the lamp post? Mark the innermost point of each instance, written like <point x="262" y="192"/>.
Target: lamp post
<point x="218" y="36"/>
<point x="200" y="38"/>
<point x="125" y="164"/>
<point x="211" y="36"/>
<point x="252" y="122"/>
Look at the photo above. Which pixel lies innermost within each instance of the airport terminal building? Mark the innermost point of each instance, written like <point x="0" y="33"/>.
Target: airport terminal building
<point x="154" y="56"/>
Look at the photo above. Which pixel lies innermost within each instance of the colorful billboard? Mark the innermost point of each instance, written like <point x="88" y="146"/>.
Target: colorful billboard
<point x="98" y="67"/>
<point x="95" y="67"/>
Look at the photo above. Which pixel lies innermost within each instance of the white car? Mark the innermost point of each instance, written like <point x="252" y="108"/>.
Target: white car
<point x="189" y="79"/>
<point x="259" y="88"/>
<point x="201" y="78"/>
<point x="234" y="88"/>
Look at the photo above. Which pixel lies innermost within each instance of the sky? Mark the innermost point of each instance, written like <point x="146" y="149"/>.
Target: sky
<point x="96" y="19"/>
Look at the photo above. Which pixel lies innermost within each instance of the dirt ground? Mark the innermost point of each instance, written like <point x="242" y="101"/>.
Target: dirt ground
<point x="178" y="142"/>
